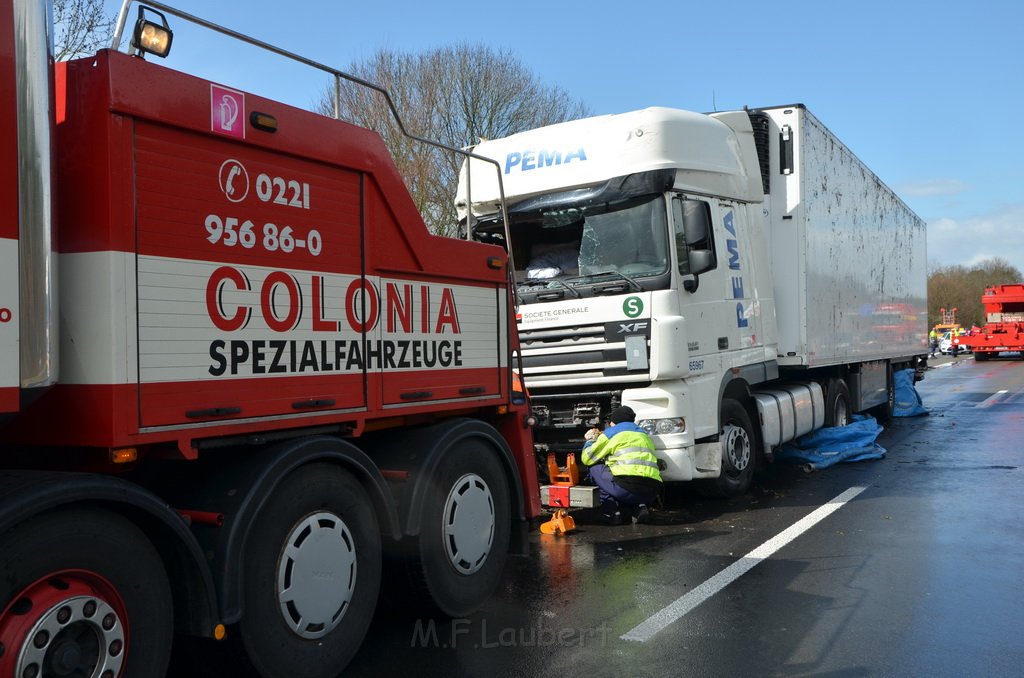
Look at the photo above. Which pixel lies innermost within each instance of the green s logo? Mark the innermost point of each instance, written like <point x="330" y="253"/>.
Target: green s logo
<point x="633" y="307"/>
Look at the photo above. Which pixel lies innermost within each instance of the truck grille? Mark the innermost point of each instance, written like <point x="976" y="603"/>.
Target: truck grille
<point x="575" y="355"/>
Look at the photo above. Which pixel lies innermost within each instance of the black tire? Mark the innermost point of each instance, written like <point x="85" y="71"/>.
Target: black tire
<point x="739" y="453"/>
<point x="982" y="356"/>
<point x="837" y="403"/>
<point x="464" y="537"/>
<point x="309" y="626"/>
<point x="883" y="412"/>
<point x="84" y="593"/>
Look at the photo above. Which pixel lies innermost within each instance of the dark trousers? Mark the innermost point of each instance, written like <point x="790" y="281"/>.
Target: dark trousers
<point x="611" y="493"/>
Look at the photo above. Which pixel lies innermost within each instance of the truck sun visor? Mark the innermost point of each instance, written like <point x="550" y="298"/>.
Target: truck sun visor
<point x="613" y="190"/>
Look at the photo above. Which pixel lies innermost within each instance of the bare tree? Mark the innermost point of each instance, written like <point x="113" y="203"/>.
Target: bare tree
<point x="81" y="28"/>
<point x="961" y="288"/>
<point x="455" y="95"/>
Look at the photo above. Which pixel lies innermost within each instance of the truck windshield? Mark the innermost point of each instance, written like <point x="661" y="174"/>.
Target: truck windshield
<point x="592" y="249"/>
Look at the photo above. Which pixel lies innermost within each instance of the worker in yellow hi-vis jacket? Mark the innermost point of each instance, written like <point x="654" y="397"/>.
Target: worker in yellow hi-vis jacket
<point x="622" y="464"/>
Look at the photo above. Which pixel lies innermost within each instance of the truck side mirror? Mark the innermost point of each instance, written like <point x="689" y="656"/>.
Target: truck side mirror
<point x="701" y="261"/>
<point x="695" y="244"/>
<point x="696" y="221"/>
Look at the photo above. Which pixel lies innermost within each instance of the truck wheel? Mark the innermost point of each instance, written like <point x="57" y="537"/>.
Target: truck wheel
<point x="465" y="531"/>
<point x="311" y="575"/>
<point x="738" y="452"/>
<point x="837" y="403"/>
<point x="85" y="594"/>
<point x="982" y="356"/>
<point x="883" y="412"/>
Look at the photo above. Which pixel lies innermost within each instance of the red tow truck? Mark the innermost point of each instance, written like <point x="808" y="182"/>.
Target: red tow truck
<point x="1004" y="326"/>
<point x="237" y="374"/>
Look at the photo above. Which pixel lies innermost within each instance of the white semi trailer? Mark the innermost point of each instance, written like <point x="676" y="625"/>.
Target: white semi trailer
<point x="738" y="278"/>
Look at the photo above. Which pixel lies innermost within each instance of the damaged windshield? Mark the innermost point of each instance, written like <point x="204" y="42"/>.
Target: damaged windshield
<point x="583" y="250"/>
<point x="606" y="238"/>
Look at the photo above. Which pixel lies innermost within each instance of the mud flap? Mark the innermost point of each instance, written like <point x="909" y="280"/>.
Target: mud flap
<point x="707" y="459"/>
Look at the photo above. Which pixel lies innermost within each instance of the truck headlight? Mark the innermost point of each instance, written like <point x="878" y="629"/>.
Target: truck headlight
<point x="662" y="426"/>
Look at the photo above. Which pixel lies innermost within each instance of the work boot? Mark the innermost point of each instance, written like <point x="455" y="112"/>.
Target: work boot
<point x="641" y="515"/>
<point x="612" y="518"/>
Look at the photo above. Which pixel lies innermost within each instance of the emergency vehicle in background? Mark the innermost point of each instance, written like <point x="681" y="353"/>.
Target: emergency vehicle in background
<point x="724" y="278"/>
<point x="895" y="324"/>
<point x="1004" y="323"/>
<point x="948" y="324"/>
<point x="237" y="374"/>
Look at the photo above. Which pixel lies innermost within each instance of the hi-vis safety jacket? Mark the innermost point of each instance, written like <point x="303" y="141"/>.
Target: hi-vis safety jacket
<point x="626" y="450"/>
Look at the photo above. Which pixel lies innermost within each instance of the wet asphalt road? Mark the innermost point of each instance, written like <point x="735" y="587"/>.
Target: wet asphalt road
<point x="920" y="574"/>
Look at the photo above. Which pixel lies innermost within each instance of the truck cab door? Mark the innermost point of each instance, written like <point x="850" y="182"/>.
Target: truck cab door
<point x="739" y="264"/>
<point x="715" y="264"/>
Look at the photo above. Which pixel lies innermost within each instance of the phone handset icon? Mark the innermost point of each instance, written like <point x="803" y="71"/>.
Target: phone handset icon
<point x="233" y="180"/>
<point x="229" y="190"/>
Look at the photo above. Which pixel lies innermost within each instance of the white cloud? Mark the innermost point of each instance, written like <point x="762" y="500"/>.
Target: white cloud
<point x="971" y="240"/>
<point x="929" y="188"/>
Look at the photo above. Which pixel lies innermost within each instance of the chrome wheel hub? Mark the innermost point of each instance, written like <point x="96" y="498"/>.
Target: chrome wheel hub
<point x="78" y="636"/>
<point x="736" y="447"/>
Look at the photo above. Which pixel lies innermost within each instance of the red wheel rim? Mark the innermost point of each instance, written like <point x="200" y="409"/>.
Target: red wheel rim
<point x="64" y="622"/>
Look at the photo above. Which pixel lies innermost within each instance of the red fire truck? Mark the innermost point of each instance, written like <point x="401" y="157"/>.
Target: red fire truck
<point x="237" y="374"/>
<point x="1004" y="326"/>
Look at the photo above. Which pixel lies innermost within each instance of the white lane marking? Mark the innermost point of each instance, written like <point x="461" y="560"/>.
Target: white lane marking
<point x="657" y="622"/>
<point x="991" y="400"/>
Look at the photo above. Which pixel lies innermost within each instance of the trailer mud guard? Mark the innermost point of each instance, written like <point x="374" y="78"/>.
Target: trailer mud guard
<point x="27" y="494"/>
<point x="418" y="452"/>
<point x="239" y="483"/>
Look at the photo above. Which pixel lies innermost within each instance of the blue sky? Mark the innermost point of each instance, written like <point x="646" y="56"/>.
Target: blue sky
<point x="928" y="94"/>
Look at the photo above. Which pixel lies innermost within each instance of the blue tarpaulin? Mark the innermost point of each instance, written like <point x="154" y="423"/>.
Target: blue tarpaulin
<point x="908" y="400"/>
<point x="827" y="446"/>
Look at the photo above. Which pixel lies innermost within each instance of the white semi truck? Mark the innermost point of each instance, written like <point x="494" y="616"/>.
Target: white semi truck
<point x="738" y="279"/>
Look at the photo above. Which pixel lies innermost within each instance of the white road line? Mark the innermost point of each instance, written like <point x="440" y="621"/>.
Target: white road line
<point x="992" y="399"/>
<point x="657" y="622"/>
